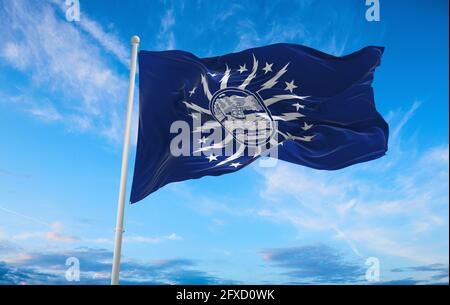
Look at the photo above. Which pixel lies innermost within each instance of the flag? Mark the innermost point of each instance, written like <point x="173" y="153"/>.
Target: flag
<point x="212" y="116"/>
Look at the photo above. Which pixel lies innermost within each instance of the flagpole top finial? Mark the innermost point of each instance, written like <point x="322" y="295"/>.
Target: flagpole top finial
<point x="135" y="39"/>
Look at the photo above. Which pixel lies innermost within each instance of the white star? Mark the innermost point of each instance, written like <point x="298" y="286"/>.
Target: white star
<point x="304" y="138"/>
<point x="212" y="74"/>
<point x="268" y="68"/>
<point x="308" y="138"/>
<point x="290" y="86"/>
<point x="235" y="165"/>
<point x="212" y="158"/>
<point x="202" y="140"/>
<point x="306" y="126"/>
<point x="192" y="91"/>
<point x="242" y="69"/>
<point x="298" y="106"/>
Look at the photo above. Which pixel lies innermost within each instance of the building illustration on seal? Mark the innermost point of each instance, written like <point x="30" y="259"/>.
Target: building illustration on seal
<point x="242" y="115"/>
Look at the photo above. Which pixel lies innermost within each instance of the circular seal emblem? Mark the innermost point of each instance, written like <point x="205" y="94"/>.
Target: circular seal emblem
<point x="243" y="114"/>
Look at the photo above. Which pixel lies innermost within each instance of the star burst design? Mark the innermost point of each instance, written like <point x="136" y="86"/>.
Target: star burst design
<point x="245" y="77"/>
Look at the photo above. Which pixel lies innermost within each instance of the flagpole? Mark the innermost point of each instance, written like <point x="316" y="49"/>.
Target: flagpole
<point x="124" y="169"/>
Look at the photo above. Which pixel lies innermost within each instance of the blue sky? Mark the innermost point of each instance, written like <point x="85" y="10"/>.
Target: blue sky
<point x="63" y="91"/>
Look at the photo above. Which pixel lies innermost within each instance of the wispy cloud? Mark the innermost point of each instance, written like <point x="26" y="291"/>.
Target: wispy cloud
<point x="48" y="267"/>
<point x="330" y="37"/>
<point x="151" y="240"/>
<point x="54" y="234"/>
<point x="13" y="53"/>
<point x="27" y="217"/>
<point x="406" y="117"/>
<point x="78" y="86"/>
<point x="231" y="10"/>
<point x="389" y="210"/>
<point x="166" y="36"/>
<point x="45" y="112"/>
<point x="437" y="272"/>
<point x="108" y="41"/>
<point x="315" y="264"/>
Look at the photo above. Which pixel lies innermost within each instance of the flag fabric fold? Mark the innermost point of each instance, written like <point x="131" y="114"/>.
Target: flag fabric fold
<point x="211" y="116"/>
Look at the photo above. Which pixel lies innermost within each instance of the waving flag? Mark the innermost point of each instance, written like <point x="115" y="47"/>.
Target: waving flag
<point x="212" y="116"/>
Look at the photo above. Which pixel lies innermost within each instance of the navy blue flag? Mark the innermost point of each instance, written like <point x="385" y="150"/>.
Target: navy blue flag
<point x="211" y="116"/>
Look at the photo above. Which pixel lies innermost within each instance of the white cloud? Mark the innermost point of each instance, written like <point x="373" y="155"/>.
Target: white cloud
<point x="23" y="216"/>
<point x="14" y="54"/>
<point x="55" y="234"/>
<point x="437" y="155"/>
<point x="142" y="239"/>
<point x="107" y="40"/>
<point x="174" y="236"/>
<point x="331" y="37"/>
<point x="59" y="237"/>
<point x="152" y="240"/>
<point x="391" y="210"/>
<point x="167" y="21"/>
<point x="248" y="35"/>
<point x="67" y="63"/>
<point x="393" y="243"/>
<point x="166" y="36"/>
<point x="230" y="11"/>
<point x="45" y="112"/>
<point x="406" y="117"/>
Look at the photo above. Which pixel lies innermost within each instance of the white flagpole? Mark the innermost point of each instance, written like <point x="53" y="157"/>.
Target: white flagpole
<point x="124" y="169"/>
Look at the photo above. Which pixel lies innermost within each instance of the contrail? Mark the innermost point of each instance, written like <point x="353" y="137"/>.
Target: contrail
<point x="24" y="216"/>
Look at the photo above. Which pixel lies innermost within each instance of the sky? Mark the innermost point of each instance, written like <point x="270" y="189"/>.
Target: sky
<point x="63" y="88"/>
